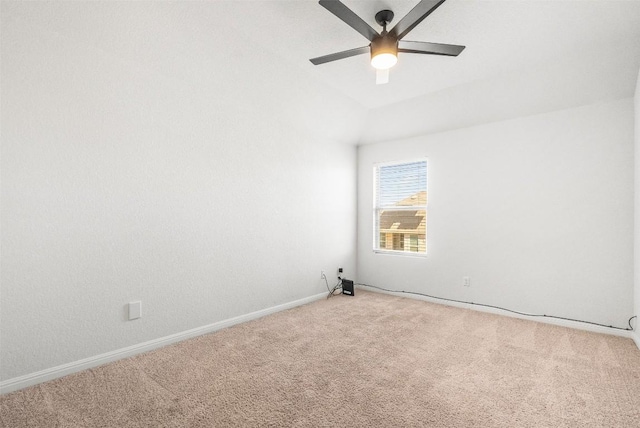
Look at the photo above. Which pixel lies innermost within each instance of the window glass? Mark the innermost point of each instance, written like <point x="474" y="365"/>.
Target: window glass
<point x="400" y="212"/>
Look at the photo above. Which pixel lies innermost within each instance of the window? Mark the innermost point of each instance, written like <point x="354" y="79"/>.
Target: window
<point x="400" y="211"/>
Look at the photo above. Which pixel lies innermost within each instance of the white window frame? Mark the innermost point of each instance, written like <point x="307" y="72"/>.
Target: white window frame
<point x="376" y="208"/>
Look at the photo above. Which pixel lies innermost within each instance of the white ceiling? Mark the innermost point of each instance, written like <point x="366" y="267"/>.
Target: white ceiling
<point x="501" y="37"/>
<point x="521" y="57"/>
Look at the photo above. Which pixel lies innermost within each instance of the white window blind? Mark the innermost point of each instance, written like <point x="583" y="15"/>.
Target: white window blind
<point x="400" y="212"/>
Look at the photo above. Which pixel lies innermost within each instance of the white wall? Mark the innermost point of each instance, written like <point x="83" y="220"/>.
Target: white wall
<point x="145" y="159"/>
<point x="538" y="211"/>
<point x="636" y="257"/>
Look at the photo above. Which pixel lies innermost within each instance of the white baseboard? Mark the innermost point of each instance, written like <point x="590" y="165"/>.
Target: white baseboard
<point x="553" y="321"/>
<point x="20" y="382"/>
<point x="636" y="338"/>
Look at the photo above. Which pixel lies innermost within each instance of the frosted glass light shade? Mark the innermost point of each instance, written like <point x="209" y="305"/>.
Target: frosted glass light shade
<point x="384" y="61"/>
<point x="384" y="52"/>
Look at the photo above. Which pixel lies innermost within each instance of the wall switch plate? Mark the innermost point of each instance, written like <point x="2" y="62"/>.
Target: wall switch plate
<point x="135" y="310"/>
<point x="466" y="281"/>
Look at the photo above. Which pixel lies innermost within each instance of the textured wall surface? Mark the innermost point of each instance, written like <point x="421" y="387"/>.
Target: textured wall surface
<point x="636" y="257"/>
<point x="145" y="159"/>
<point x="538" y="211"/>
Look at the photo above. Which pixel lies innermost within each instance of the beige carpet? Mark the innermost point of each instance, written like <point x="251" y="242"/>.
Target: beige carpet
<point x="372" y="360"/>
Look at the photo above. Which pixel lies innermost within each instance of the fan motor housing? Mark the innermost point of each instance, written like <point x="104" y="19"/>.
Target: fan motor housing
<point x="384" y="44"/>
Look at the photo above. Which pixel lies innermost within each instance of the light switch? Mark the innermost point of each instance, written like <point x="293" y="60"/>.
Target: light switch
<point x="135" y="310"/>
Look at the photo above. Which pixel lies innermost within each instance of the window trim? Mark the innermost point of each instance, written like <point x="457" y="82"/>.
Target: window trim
<point x="375" y="228"/>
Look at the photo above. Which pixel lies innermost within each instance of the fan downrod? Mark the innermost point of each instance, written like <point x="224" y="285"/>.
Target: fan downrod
<point x="384" y="17"/>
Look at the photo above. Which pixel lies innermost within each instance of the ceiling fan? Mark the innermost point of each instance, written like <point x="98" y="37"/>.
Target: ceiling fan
<point x="384" y="46"/>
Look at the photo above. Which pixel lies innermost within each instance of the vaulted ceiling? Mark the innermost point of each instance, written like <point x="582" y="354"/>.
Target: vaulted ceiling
<point x="521" y="57"/>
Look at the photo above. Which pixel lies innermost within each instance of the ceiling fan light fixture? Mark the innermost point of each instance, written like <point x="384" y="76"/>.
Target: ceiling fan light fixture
<point x="384" y="53"/>
<point x="384" y="61"/>
<point x="385" y="45"/>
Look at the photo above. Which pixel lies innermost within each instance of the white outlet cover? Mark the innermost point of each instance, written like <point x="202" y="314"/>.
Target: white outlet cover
<point x="135" y="310"/>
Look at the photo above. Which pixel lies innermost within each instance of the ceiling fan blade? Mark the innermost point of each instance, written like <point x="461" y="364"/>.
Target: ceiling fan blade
<point x="429" y="48"/>
<point x="340" y="55"/>
<point x="414" y="17"/>
<point x="350" y="18"/>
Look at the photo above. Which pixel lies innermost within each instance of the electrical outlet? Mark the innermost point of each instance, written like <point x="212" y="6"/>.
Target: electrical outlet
<point x="321" y="274"/>
<point x="466" y="281"/>
<point x="340" y="272"/>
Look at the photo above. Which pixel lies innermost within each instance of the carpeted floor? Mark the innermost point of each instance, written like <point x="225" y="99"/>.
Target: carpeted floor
<point x="372" y="360"/>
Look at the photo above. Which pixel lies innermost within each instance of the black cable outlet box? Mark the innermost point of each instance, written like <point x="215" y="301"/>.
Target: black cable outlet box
<point x="347" y="287"/>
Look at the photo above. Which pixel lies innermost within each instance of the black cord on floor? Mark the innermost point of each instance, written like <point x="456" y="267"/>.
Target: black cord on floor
<point x="332" y="291"/>
<point x="335" y="289"/>
<point x="630" y="328"/>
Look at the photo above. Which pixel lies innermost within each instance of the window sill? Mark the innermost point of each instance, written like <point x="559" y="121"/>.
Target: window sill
<point x="400" y="253"/>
